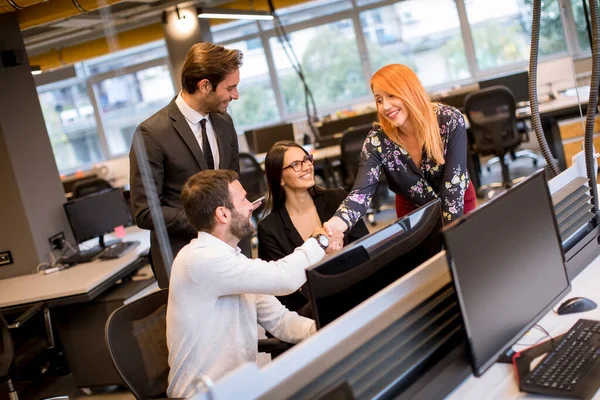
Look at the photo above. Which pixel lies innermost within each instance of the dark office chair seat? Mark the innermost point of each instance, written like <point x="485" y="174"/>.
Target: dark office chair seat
<point x="351" y="146"/>
<point x="89" y="185"/>
<point x="491" y="114"/>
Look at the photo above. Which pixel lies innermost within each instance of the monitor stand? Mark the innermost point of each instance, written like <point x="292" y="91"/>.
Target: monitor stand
<point x="85" y="256"/>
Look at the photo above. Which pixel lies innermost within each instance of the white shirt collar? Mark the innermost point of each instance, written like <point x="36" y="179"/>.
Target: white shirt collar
<point x="206" y="239"/>
<point x="188" y="112"/>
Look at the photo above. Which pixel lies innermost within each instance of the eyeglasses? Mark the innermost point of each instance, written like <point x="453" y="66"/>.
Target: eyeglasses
<point x="298" y="165"/>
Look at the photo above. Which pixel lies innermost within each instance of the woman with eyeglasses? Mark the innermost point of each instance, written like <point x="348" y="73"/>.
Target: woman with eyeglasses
<point x="297" y="205"/>
<point x="420" y="146"/>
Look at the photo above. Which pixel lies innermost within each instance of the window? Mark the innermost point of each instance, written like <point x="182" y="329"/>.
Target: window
<point x="502" y="31"/>
<point x="69" y="117"/>
<point x="256" y="105"/>
<point x="424" y="35"/>
<point x="126" y="100"/>
<point x="308" y="11"/>
<point x="330" y="61"/>
<point x="579" y="17"/>
<point x="224" y="32"/>
<point x="126" y="58"/>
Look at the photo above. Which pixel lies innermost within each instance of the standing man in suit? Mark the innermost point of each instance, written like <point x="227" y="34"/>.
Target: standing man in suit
<point x="192" y="133"/>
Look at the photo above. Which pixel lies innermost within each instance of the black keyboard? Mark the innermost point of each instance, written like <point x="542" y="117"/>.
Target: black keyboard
<point x="118" y="250"/>
<point x="572" y="368"/>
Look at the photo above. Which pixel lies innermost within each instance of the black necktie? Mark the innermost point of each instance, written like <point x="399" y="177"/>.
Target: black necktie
<point x="208" y="155"/>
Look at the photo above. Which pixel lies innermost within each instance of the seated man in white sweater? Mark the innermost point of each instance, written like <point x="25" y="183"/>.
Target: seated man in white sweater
<point x="217" y="295"/>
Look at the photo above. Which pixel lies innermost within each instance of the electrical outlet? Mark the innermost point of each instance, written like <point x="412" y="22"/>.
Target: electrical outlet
<point x="57" y="241"/>
<point x="5" y="258"/>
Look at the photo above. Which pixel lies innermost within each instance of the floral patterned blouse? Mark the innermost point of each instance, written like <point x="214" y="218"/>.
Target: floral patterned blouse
<point x="419" y="185"/>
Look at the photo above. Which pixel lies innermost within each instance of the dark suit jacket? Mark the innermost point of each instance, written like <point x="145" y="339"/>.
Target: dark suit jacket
<point x="174" y="155"/>
<point x="278" y="237"/>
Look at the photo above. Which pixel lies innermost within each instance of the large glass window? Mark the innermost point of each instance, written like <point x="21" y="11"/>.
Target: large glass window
<point x="307" y="11"/>
<point x="257" y="104"/>
<point x="126" y="100"/>
<point x="424" y="35"/>
<point x="69" y="117"/>
<point x="126" y="58"/>
<point x="330" y="61"/>
<point x="225" y="31"/>
<point x="579" y="17"/>
<point x="502" y="30"/>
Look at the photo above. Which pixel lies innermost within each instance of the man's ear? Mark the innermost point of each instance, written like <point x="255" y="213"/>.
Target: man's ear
<point x="204" y="86"/>
<point x="222" y="215"/>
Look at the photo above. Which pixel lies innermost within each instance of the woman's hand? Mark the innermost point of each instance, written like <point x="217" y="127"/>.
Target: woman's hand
<point x="335" y="224"/>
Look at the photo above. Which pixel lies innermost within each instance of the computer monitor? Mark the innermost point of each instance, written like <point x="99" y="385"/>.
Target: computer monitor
<point x="333" y="127"/>
<point x="508" y="268"/>
<point x="365" y="267"/>
<point x="261" y="140"/>
<point x="517" y="83"/>
<point x="98" y="213"/>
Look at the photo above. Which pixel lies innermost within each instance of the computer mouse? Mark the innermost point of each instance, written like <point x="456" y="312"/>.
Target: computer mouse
<point x="576" y="305"/>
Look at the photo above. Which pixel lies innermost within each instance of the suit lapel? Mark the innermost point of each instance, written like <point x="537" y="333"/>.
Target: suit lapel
<point x="293" y="233"/>
<point x="217" y="123"/>
<point x="183" y="129"/>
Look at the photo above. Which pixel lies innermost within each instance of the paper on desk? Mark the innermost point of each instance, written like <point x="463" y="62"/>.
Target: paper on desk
<point x="120" y="231"/>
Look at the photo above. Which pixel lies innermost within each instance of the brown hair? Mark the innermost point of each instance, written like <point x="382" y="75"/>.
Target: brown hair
<point x="203" y="193"/>
<point x="402" y="82"/>
<point x="208" y="61"/>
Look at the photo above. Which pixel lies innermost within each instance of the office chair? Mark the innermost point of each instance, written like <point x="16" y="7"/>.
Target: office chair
<point x="351" y="146"/>
<point x="254" y="181"/>
<point x="491" y="114"/>
<point x="137" y="342"/>
<point x="89" y="185"/>
<point x="9" y="360"/>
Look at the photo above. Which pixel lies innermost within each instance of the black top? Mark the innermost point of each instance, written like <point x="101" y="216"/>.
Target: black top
<point x="278" y="237"/>
<point x="419" y="185"/>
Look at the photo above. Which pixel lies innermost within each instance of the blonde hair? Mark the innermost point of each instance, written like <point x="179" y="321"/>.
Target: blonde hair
<point x="402" y="82"/>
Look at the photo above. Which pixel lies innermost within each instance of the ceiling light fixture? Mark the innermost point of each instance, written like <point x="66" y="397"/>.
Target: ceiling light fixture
<point x="224" y="13"/>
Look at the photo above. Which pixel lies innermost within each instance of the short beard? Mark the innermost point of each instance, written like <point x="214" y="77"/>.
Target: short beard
<point x="240" y="226"/>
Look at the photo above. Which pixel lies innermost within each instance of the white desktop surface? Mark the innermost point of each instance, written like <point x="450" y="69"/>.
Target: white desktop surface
<point x="76" y="280"/>
<point x="499" y="382"/>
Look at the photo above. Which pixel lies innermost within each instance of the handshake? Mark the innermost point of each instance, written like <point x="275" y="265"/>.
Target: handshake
<point x="336" y="238"/>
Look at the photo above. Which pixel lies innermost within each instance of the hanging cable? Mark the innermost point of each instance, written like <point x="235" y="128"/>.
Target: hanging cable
<point x="533" y="95"/>
<point x="588" y="144"/>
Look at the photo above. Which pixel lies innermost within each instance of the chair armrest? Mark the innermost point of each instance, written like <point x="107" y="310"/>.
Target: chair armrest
<point x="26" y="315"/>
<point x="272" y="345"/>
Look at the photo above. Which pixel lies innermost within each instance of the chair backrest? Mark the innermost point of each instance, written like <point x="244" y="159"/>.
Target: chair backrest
<point x="252" y="176"/>
<point x="89" y="185"/>
<point x="136" y="339"/>
<point x="351" y="146"/>
<point x="491" y="114"/>
<point x="7" y="352"/>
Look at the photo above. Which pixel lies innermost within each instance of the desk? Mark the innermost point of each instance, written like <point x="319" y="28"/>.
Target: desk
<point x="499" y="381"/>
<point x="80" y="283"/>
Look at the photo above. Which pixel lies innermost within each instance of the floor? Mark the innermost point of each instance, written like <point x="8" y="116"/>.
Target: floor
<point x="517" y="168"/>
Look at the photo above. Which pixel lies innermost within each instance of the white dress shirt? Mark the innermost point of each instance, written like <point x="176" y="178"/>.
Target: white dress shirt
<point x="193" y="119"/>
<point x="217" y="296"/>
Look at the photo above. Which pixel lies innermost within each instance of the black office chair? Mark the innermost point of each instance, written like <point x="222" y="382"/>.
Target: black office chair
<point x="351" y="146"/>
<point x="9" y="360"/>
<point x="137" y="342"/>
<point x="491" y="114"/>
<point x="254" y="181"/>
<point x="88" y="186"/>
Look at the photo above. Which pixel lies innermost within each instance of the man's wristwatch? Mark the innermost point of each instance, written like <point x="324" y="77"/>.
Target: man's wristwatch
<point x="322" y="240"/>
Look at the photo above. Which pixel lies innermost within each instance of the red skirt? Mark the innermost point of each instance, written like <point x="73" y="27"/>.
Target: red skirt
<point x="404" y="206"/>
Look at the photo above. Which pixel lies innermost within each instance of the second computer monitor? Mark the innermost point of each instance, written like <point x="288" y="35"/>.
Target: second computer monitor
<point x="261" y="140"/>
<point x="507" y="266"/>
<point x="365" y="267"/>
<point x="517" y="83"/>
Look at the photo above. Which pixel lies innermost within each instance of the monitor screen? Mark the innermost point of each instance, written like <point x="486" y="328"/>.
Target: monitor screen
<point x="517" y="83"/>
<point x="261" y="140"/>
<point x="365" y="267"/>
<point x="96" y="214"/>
<point x="508" y="268"/>
<point x="340" y="125"/>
